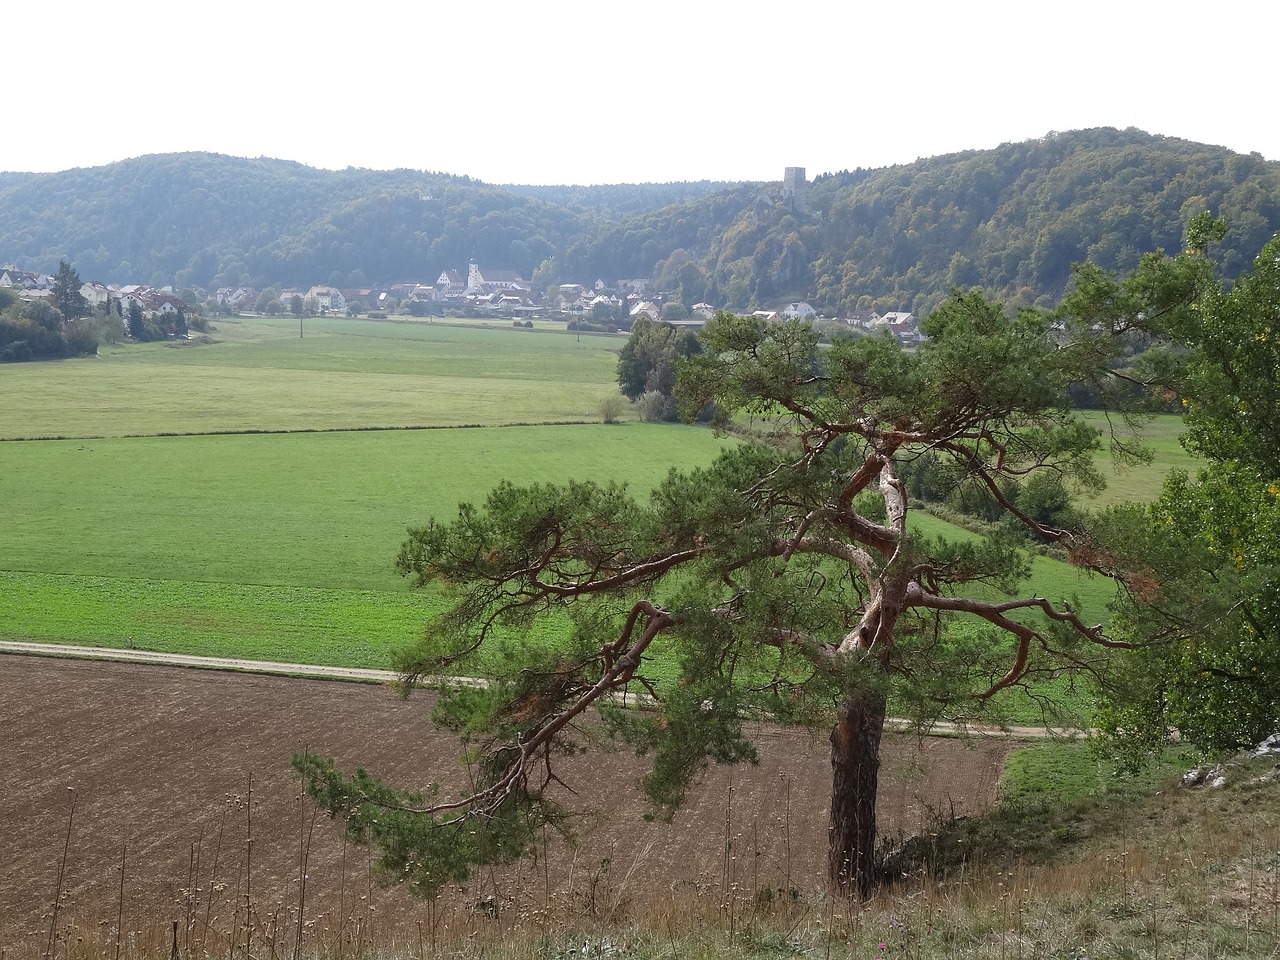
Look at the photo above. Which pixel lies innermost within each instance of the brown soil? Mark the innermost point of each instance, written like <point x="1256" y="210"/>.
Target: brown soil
<point x="159" y="763"/>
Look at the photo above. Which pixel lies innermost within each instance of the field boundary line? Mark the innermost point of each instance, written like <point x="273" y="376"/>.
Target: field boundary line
<point x="289" y="431"/>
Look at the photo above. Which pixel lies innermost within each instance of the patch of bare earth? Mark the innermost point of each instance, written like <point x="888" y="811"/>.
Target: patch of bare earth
<point x="160" y="762"/>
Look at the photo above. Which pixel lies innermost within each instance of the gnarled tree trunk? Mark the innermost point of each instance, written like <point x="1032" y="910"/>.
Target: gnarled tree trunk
<point x="855" y="771"/>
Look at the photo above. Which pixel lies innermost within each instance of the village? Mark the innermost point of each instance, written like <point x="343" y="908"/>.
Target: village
<point x="480" y="291"/>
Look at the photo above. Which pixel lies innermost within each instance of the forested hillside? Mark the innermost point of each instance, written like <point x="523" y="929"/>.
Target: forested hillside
<point x="1012" y="220"/>
<point x="196" y="219"/>
<point x="1015" y="219"/>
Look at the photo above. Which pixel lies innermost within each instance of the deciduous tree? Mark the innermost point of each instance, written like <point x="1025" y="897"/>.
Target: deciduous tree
<point x="648" y="360"/>
<point x="1202" y="564"/>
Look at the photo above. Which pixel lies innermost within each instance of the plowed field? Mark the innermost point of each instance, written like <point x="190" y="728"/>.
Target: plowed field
<point x="186" y="811"/>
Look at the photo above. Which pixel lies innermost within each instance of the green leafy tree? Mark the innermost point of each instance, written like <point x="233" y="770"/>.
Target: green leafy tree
<point x="265" y="298"/>
<point x="81" y="337"/>
<point x="781" y="580"/>
<point x="601" y="313"/>
<point x="23" y="339"/>
<point x="44" y="314"/>
<point x="66" y="292"/>
<point x="647" y="362"/>
<point x="1202" y="564"/>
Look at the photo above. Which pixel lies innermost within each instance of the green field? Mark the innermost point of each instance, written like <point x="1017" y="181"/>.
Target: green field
<point x="280" y="545"/>
<point x="343" y="374"/>
<point x="161" y="523"/>
<point x="1141" y="482"/>
<point x="309" y="509"/>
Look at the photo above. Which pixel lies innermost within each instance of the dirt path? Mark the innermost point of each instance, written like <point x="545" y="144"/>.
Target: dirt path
<point x="187" y="660"/>
<point x="367" y="675"/>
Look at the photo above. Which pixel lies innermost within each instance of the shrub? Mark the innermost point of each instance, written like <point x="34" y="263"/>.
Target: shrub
<point x="652" y="406"/>
<point x="611" y="408"/>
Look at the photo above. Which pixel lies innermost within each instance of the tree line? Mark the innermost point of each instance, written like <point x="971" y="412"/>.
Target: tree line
<point x="40" y="330"/>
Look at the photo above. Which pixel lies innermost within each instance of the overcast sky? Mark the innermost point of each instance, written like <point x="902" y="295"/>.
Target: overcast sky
<point x="570" y="91"/>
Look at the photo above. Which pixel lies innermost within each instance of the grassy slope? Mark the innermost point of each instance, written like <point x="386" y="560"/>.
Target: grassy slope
<point x="1142" y="869"/>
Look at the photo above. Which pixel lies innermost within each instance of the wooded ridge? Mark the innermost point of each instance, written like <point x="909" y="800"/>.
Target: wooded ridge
<point x="1011" y="220"/>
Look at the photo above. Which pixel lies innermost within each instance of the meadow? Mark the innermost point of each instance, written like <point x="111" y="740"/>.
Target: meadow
<point x="341" y="374"/>
<point x="1140" y="482"/>
<point x="144" y="531"/>
<point x="246" y="496"/>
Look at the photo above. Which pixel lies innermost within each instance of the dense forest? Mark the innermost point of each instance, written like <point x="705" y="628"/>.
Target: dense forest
<point x="1012" y="220"/>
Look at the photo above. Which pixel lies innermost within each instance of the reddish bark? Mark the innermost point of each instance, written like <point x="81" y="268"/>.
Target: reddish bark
<point x="855" y="770"/>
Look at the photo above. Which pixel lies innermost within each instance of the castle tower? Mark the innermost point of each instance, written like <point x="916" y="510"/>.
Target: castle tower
<point x="795" y="187"/>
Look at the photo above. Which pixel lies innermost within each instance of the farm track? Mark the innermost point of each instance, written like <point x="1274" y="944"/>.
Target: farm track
<point x="367" y="675"/>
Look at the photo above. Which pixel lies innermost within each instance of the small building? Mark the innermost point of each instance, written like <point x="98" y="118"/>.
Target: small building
<point x="326" y="299"/>
<point x="799" y="311"/>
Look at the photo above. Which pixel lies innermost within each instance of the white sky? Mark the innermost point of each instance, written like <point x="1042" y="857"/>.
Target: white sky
<point x="578" y="91"/>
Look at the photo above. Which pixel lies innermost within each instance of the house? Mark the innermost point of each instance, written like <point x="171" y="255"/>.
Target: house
<point x="451" y="285"/>
<point x="799" y="311"/>
<point x="326" y="299"/>
<point x="704" y="310"/>
<point x="903" y="326"/>
<point x="11" y="276"/>
<point x="646" y="308"/>
<point x="364" y="295"/>
<point x="571" y="298"/>
<point x="236" y="298"/>
<point x="398" y="292"/>
<point x="131" y="295"/>
<point x="613" y="303"/>
<point x="95" y="294"/>
<point x="166" y="305"/>
<point x="513" y="302"/>
<point x="768" y="316"/>
<point x="864" y="319"/>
